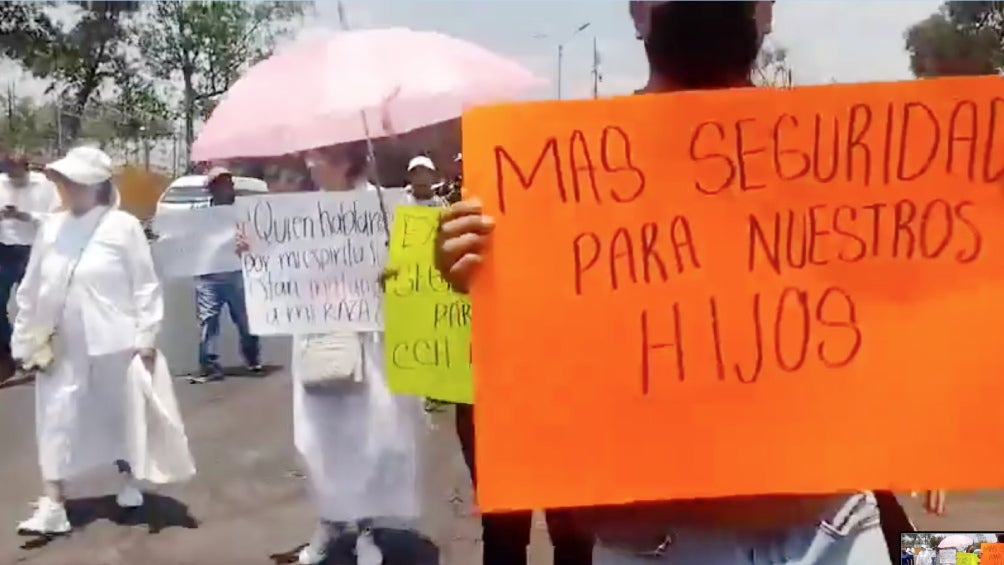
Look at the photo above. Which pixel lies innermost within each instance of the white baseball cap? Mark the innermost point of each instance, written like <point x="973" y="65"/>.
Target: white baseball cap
<point x="421" y="161"/>
<point x="87" y="166"/>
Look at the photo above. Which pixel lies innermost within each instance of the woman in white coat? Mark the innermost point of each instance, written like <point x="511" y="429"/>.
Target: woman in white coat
<point x="89" y="309"/>
<point x="359" y="441"/>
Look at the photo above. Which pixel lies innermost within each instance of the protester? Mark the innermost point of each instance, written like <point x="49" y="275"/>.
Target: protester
<point x="26" y="198"/>
<point x="213" y="291"/>
<point x="700" y="45"/>
<point x="89" y="310"/>
<point x="451" y="190"/>
<point x="422" y="178"/>
<point x="357" y="439"/>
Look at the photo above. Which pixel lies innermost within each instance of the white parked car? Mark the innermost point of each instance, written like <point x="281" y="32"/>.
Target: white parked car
<point x="189" y="192"/>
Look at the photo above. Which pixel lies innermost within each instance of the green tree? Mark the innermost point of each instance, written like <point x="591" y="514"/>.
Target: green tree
<point x="81" y="58"/>
<point x="205" y="46"/>
<point x="25" y="124"/>
<point x="962" y="38"/>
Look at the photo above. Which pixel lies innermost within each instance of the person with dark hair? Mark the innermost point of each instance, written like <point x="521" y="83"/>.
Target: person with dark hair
<point x="694" y="45"/>
<point x="26" y="199"/>
<point x="213" y="291"/>
<point x="89" y="310"/>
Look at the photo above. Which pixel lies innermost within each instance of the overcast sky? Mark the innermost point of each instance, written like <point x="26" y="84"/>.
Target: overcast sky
<point x="827" y="40"/>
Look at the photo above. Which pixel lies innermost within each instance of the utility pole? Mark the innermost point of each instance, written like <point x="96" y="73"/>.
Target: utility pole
<point x="343" y="19"/>
<point x="561" y="51"/>
<point x="10" y="104"/>
<point x="59" y="123"/>
<point x="596" y="70"/>
<point x="561" y="56"/>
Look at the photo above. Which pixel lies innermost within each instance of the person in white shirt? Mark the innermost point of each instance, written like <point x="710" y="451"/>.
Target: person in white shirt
<point x="422" y="178"/>
<point x="89" y="310"/>
<point x="26" y="198"/>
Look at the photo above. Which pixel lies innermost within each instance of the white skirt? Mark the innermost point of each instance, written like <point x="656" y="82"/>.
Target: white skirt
<point x="91" y="411"/>
<point x="81" y="413"/>
<point x="360" y="447"/>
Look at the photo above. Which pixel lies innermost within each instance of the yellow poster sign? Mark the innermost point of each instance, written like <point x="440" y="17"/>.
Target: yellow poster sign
<point x="428" y="326"/>
<point x="966" y="559"/>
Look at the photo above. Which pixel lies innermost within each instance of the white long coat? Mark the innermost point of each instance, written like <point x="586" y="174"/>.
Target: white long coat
<point x="97" y="403"/>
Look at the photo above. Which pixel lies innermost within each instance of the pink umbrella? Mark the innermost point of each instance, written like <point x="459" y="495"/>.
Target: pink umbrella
<point x="317" y="92"/>
<point x="955" y="540"/>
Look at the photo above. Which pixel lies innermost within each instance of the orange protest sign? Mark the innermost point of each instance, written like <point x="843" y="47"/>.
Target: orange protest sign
<point x="992" y="554"/>
<point x="743" y="292"/>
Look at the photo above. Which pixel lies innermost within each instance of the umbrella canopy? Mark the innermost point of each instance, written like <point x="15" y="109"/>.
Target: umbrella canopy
<point x="955" y="540"/>
<point x="316" y="92"/>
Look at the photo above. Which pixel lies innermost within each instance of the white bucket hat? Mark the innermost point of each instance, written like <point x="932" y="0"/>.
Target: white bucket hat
<point x="88" y="166"/>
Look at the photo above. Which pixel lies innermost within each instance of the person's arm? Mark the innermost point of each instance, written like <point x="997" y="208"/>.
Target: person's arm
<point x="148" y="295"/>
<point x="22" y="342"/>
<point x="51" y="203"/>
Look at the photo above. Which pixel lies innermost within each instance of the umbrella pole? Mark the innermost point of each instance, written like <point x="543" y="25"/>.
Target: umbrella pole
<point x="369" y="142"/>
<point x="379" y="187"/>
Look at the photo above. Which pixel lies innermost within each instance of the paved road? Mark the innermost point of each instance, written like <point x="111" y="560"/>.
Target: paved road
<point x="248" y="501"/>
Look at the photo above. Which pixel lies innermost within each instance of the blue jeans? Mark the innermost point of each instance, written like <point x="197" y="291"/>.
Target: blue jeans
<point x="850" y="536"/>
<point x="13" y="261"/>
<point x="212" y="292"/>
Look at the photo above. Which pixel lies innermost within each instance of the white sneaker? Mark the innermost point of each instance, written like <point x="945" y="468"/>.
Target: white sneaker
<point x="130" y="496"/>
<point x="49" y="518"/>
<point x="367" y="552"/>
<point x="317" y="550"/>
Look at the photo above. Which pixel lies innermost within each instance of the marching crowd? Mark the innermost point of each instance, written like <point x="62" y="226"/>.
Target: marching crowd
<point x="89" y="307"/>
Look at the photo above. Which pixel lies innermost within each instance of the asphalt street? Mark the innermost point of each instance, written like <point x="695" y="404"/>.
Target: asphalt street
<point x="249" y="502"/>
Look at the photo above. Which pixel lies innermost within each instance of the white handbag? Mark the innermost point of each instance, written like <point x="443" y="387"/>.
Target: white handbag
<point x="331" y="361"/>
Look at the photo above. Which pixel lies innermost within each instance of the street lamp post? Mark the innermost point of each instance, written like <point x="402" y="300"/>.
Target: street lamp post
<point x="561" y="51"/>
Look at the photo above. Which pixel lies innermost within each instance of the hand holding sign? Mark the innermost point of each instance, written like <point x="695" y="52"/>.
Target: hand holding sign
<point x="754" y="284"/>
<point x="241" y="245"/>
<point x="462" y="234"/>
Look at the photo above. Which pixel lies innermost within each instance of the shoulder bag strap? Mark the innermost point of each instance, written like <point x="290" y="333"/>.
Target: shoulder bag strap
<point x="73" y="268"/>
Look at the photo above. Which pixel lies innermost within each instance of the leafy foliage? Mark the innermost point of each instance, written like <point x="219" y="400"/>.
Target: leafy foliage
<point x="115" y="67"/>
<point x="23" y="123"/>
<point x="207" y="45"/>
<point x="962" y="38"/>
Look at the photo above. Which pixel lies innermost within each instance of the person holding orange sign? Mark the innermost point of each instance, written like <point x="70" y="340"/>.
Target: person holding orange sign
<point x="699" y="45"/>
